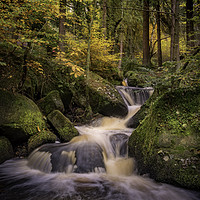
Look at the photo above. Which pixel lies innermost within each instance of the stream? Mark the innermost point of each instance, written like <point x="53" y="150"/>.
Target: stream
<point x="92" y="166"/>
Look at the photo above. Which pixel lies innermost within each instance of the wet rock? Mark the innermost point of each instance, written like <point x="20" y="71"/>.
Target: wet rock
<point x="104" y="97"/>
<point x="51" y="102"/>
<point x="19" y="117"/>
<point x="89" y="158"/>
<point x="63" y="126"/>
<point x="119" y="143"/>
<point x="6" y="150"/>
<point x="78" y="157"/>
<point x="44" y="136"/>
<point x="163" y="145"/>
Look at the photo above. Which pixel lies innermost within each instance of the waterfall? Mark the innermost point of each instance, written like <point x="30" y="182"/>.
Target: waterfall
<point x="93" y="165"/>
<point x="134" y="98"/>
<point x="134" y="95"/>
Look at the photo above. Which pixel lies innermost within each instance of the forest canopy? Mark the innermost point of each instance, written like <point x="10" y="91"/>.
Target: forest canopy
<point x="40" y="38"/>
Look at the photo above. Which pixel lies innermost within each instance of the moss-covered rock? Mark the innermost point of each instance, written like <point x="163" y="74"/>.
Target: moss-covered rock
<point x="103" y="96"/>
<point x="6" y="150"/>
<point x="166" y="144"/>
<point x="40" y="138"/>
<point x="63" y="126"/>
<point x="140" y="78"/>
<point x="19" y="117"/>
<point x="51" y="102"/>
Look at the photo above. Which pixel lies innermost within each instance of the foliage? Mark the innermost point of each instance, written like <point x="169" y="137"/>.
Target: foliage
<point x="29" y="36"/>
<point x="189" y="77"/>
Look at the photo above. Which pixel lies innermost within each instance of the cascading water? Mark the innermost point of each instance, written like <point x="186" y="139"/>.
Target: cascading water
<point x="94" y="165"/>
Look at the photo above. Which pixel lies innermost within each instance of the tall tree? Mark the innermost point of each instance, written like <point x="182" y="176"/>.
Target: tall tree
<point x="62" y="20"/>
<point x="158" y="34"/>
<point x="189" y="23"/>
<point x="88" y="107"/>
<point x="174" y="49"/>
<point x="121" y="39"/>
<point x="146" y="49"/>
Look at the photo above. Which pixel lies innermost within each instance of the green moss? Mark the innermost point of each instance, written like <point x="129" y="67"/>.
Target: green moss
<point x="51" y="102"/>
<point x="6" y="150"/>
<point x="42" y="137"/>
<point x="63" y="125"/>
<point x="20" y="117"/>
<point x="103" y="96"/>
<point x="165" y="142"/>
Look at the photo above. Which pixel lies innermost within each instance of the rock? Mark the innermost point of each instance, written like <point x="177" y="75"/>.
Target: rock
<point x="74" y="157"/>
<point x="51" y="102"/>
<point x="139" y="78"/>
<point x="119" y="143"/>
<point x="103" y="96"/>
<point x="19" y="117"/>
<point x="45" y="136"/>
<point x="63" y="125"/>
<point x="167" y="142"/>
<point x="6" y="150"/>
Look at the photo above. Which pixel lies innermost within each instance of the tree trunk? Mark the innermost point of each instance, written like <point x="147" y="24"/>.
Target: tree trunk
<point x="146" y="49"/>
<point x="172" y="54"/>
<point x="25" y="68"/>
<point x="189" y="24"/>
<point x="88" y="107"/>
<point x="121" y="40"/>
<point x="174" y="50"/>
<point x="159" y="34"/>
<point x="120" y="54"/>
<point x="62" y="20"/>
<point x="176" y="38"/>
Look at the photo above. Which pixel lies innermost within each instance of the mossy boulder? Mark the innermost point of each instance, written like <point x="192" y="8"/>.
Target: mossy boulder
<point x="103" y="96"/>
<point x="42" y="137"/>
<point x="139" y="78"/>
<point x="51" y="102"/>
<point x="167" y="142"/>
<point x="63" y="126"/>
<point x="6" y="150"/>
<point x="19" y="117"/>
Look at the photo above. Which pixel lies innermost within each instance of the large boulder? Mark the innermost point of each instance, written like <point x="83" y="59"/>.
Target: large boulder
<point x="43" y="137"/>
<point x="63" y="126"/>
<point x="139" y="78"/>
<point x="166" y="144"/>
<point x="19" y="117"/>
<point x="6" y="150"/>
<point x="51" y="102"/>
<point x="103" y="96"/>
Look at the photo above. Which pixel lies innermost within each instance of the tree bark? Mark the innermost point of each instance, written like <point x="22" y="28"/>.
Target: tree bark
<point x="88" y="107"/>
<point x="176" y="39"/>
<point x="159" y="35"/>
<point x="120" y="54"/>
<point x="189" y="24"/>
<point x="62" y="20"/>
<point x="174" y="50"/>
<point x="172" y="54"/>
<point x="146" y="49"/>
<point x="25" y="68"/>
<point x="121" y="40"/>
